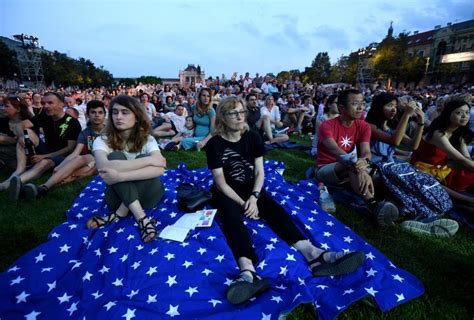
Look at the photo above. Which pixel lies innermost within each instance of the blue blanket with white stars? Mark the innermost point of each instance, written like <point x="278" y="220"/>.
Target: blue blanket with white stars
<point x="109" y="273"/>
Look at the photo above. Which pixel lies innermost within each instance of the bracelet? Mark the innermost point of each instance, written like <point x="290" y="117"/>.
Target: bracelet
<point x="420" y="124"/>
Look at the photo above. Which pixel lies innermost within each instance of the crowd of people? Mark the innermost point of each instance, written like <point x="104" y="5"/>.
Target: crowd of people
<point x="118" y="133"/>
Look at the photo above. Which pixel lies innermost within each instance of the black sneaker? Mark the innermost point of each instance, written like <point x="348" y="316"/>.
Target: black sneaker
<point x="15" y="188"/>
<point x="30" y="190"/>
<point x="386" y="213"/>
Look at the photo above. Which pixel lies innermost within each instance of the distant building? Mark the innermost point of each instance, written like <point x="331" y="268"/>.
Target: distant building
<point x="191" y="75"/>
<point x="170" y="81"/>
<point x="449" y="51"/>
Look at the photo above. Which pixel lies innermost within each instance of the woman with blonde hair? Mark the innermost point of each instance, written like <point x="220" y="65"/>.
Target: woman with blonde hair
<point x="204" y="117"/>
<point x="235" y="156"/>
<point x="128" y="159"/>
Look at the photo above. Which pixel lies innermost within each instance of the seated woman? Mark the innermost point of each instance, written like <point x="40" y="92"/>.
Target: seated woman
<point x="443" y="153"/>
<point x="235" y="156"/>
<point x="330" y="111"/>
<point x="129" y="161"/>
<point x="204" y="117"/>
<point x="12" y="126"/>
<point x="271" y="121"/>
<point x="385" y="139"/>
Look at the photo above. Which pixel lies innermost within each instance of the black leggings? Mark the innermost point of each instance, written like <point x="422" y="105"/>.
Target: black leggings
<point x="148" y="192"/>
<point x="231" y="216"/>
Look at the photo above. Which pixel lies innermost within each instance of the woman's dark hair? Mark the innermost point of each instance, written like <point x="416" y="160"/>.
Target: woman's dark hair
<point x="330" y="100"/>
<point x="138" y="136"/>
<point x="375" y="115"/>
<point x="20" y="105"/>
<point x="442" y="122"/>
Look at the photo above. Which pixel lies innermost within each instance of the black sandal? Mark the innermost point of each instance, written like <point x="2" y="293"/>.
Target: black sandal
<point x="102" y="221"/>
<point x="147" y="230"/>
<point x="345" y="264"/>
<point x="241" y="290"/>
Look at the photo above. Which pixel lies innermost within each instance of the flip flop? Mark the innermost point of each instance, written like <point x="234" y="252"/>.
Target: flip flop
<point x="346" y="264"/>
<point x="241" y="290"/>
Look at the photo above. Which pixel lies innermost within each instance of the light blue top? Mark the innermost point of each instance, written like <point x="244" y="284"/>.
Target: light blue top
<point x="381" y="151"/>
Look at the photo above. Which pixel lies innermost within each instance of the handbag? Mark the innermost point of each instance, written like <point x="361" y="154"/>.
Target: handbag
<point x="192" y="198"/>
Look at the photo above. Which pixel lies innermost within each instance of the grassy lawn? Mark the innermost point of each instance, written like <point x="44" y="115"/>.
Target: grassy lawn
<point x="445" y="266"/>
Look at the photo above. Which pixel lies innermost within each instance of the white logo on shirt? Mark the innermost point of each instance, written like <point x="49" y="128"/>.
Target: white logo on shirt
<point x="346" y="142"/>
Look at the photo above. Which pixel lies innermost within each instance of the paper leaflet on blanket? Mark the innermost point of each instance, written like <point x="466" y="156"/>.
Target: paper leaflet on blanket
<point x="181" y="228"/>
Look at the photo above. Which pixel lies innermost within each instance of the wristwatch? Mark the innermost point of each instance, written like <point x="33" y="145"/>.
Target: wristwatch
<point x="256" y="194"/>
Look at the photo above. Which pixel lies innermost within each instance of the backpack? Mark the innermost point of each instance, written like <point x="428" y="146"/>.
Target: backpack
<point x="420" y="194"/>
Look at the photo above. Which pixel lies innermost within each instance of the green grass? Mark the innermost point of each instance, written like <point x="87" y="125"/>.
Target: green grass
<point x="445" y="266"/>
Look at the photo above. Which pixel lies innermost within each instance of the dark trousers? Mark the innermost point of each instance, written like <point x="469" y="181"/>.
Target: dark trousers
<point x="231" y="216"/>
<point x="148" y="192"/>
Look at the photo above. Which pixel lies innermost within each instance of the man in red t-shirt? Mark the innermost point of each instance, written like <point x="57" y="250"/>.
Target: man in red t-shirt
<point x="344" y="153"/>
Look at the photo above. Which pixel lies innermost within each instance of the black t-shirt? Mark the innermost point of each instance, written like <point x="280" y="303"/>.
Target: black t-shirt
<point x="57" y="133"/>
<point x="5" y="128"/>
<point x="253" y="115"/>
<point x="235" y="158"/>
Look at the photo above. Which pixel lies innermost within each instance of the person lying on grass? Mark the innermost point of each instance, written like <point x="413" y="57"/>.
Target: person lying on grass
<point x="235" y="156"/>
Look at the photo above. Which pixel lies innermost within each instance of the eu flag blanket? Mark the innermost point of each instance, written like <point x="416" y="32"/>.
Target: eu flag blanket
<point x="109" y="273"/>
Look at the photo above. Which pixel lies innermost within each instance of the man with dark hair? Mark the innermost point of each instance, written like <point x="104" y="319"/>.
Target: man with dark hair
<point x="253" y="112"/>
<point x="344" y="152"/>
<point x="60" y="131"/>
<point x="80" y="163"/>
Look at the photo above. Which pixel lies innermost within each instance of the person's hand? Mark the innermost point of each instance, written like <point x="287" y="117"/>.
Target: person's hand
<point x="110" y="176"/>
<point x="410" y="107"/>
<point x="366" y="186"/>
<point x="361" y="164"/>
<point x="38" y="157"/>
<point x="420" y="115"/>
<point x="21" y="141"/>
<point x="200" y="145"/>
<point x="251" y="209"/>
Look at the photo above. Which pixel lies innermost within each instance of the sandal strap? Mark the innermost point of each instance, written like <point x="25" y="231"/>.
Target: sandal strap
<point x="146" y="228"/>
<point x="319" y="259"/>
<point x="253" y="273"/>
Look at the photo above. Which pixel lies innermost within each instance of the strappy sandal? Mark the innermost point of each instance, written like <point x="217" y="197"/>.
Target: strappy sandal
<point x="345" y="264"/>
<point x="102" y="221"/>
<point x="240" y="290"/>
<point x="147" y="230"/>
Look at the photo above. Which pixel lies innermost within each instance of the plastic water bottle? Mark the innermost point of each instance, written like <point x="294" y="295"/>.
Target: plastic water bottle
<point x="326" y="202"/>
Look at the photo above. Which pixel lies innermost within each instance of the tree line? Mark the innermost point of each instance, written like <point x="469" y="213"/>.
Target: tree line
<point x="58" y="69"/>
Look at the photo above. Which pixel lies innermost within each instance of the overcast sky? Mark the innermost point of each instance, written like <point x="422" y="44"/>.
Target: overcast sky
<point x="141" y="37"/>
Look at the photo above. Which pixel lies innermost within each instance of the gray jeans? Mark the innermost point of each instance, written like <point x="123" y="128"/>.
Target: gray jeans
<point x="148" y="192"/>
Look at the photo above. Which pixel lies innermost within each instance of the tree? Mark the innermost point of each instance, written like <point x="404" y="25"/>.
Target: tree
<point x="8" y="62"/>
<point x="339" y="71"/>
<point x="392" y="61"/>
<point x="320" y="69"/>
<point x="150" y="80"/>
<point x="65" y="71"/>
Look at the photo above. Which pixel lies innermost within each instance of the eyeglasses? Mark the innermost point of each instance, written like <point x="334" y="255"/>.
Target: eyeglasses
<point x="358" y="104"/>
<point x="234" y="114"/>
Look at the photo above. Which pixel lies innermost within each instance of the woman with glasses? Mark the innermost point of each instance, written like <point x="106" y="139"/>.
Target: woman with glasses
<point x="204" y="117"/>
<point x="235" y="156"/>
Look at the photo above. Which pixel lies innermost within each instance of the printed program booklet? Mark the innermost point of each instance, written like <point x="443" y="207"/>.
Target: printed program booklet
<point x="181" y="228"/>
